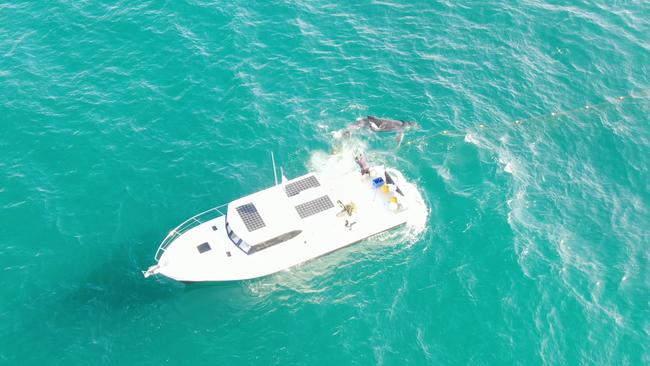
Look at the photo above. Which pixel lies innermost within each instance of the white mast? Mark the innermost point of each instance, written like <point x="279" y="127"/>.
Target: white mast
<point x="275" y="174"/>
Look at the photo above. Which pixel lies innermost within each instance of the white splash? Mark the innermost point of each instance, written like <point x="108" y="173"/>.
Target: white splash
<point x="508" y="165"/>
<point x="339" y="161"/>
<point x="469" y="138"/>
<point x="443" y="172"/>
<point x="337" y="134"/>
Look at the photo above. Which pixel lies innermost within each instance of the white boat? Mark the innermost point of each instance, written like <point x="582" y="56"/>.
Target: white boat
<point x="285" y="225"/>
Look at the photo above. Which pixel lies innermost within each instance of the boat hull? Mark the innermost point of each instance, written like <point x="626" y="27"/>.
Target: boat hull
<point x="207" y="252"/>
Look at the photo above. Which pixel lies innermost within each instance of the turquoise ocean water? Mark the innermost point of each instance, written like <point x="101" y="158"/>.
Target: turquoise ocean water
<point x="118" y="120"/>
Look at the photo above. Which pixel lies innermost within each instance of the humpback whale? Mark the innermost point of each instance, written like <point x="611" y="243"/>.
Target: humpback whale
<point x="377" y="124"/>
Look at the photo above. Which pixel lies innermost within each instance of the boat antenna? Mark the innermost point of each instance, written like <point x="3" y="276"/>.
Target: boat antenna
<point x="275" y="174"/>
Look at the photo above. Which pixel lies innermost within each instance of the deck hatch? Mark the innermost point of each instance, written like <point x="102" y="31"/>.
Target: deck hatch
<point x="296" y="187"/>
<point x="250" y="216"/>
<point x="314" y="206"/>
<point x="203" y="248"/>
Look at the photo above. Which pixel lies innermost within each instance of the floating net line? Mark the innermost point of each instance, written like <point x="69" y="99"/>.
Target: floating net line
<point x="608" y="102"/>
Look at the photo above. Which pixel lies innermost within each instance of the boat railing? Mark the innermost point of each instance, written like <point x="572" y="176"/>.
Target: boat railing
<point x="187" y="225"/>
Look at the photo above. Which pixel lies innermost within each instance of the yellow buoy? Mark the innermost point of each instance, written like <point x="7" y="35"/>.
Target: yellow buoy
<point x="384" y="188"/>
<point x="393" y="199"/>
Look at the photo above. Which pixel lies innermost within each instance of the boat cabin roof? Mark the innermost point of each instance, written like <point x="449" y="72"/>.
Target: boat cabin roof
<point x="279" y="209"/>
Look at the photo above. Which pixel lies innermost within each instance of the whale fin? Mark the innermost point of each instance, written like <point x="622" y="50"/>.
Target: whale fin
<point x="400" y="137"/>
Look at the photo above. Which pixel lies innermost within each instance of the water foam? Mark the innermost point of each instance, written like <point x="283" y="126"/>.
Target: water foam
<point x="470" y="138"/>
<point x="307" y="277"/>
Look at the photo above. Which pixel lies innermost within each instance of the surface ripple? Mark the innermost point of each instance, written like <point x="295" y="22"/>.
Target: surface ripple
<point x="120" y="120"/>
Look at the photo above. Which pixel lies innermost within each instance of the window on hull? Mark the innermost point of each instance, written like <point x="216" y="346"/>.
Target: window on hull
<point x="241" y="244"/>
<point x="277" y="240"/>
<point x="248" y="249"/>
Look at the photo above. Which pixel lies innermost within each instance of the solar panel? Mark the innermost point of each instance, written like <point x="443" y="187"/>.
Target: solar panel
<point x="314" y="206"/>
<point x="250" y="217"/>
<point x="296" y="187"/>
